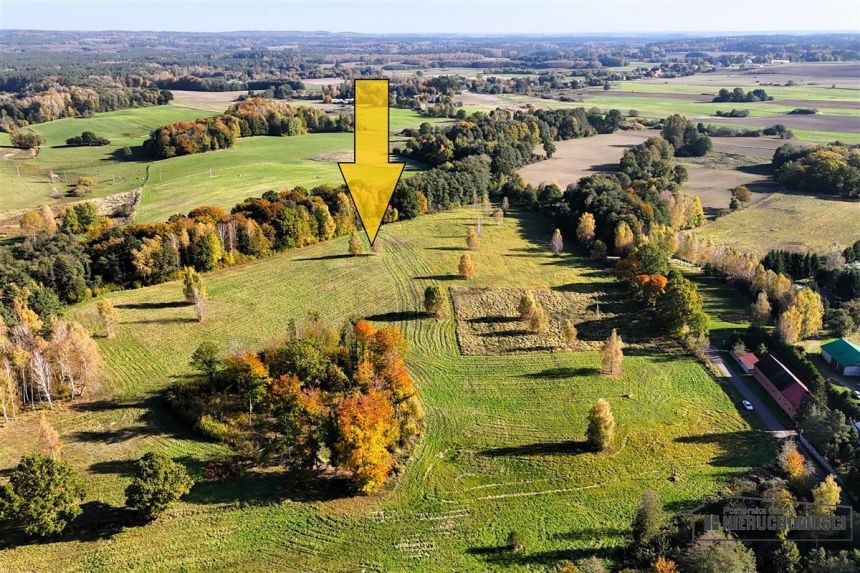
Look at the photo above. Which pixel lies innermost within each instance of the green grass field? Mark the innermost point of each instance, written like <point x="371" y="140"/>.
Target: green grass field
<point x="124" y="128"/>
<point x="251" y="167"/>
<point x="688" y="85"/>
<point x="502" y="451"/>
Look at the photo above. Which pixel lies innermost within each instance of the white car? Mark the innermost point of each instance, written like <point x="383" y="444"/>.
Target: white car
<point x="748" y="405"/>
<point x="856" y="394"/>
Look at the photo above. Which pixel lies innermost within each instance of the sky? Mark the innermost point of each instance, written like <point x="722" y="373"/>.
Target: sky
<point x="435" y="16"/>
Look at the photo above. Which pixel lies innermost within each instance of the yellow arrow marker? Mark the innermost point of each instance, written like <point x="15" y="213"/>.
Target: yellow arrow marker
<point x="371" y="178"/>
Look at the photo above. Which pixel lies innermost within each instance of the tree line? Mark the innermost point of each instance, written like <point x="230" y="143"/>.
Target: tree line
<point x="59" y="101"/>
<point x="832" y="169"/>
<point x="250" y="117"/>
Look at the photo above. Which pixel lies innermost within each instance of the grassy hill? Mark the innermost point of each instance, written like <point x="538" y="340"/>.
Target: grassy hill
<point x="223" y="178"/>
<point x="503" y="449"/>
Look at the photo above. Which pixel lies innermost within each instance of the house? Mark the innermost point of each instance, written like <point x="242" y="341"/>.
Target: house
<point x="746" y="360"/>
<point x="843" y="355"/>
<point x="783" y="386"/>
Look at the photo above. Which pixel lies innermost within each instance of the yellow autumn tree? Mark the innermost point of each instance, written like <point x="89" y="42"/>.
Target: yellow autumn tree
<point x="612" y="354"/>
<point x="826" y="495"/>
<point x="367" y="430"/>
<point x="586" y="228"/>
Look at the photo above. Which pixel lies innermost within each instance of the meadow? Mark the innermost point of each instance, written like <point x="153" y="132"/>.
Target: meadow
<point x="791" y="221"/>
<point x="503" y="451"/>
<point x="222" y="178"/>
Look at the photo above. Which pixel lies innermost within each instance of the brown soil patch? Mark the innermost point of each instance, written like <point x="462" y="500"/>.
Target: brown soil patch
<point x="488" y="322"/>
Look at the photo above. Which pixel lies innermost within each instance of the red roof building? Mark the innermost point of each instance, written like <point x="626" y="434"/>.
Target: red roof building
<point x="747" y="360"/>
<point x="783" y="386"/>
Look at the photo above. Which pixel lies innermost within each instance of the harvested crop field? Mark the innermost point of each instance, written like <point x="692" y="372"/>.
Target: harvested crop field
<point x="489" y="323"/>
<point x="576" y="158"/>
<point x="712" y="180"/>
<point x="806" y="122"/>
<point x="209" y="101"/>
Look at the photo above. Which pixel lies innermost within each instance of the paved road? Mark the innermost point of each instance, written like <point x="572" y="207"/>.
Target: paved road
<point x="762" y="409"/>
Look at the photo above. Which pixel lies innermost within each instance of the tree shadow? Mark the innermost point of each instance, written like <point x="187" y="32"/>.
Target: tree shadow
<point x="449" y="277"/>
<point x="117" y="467"/>
<point x="155" y="419"/>
<point x="333" y="257"/>
<point x="269" y="487"/>
<point x="563" y="372"/>
<point x="397" y="316"/>
<point x="584" y="288"/>
<point x="566" y="448"/>
<point x="503" y="556"/>
<point x="177" y="320"/>
<point x="97" y="520"/>
<point x="506" y="333"/>
<point x="494" y="319"/>
<point x="447" y="248"/>
<point x="736" y="449"/>
<point x="154" y="305"/>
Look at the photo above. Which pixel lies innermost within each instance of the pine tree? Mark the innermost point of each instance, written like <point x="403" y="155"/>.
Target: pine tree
<point x="601" y="425"/>
<point x="649" y="519"/>
<point x="434" y="301"/>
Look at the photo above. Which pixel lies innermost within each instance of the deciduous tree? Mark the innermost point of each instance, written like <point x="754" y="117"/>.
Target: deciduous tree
<point x="826" y="495"/>
<point x="612" y="355"/>
<point x="109" y="317"/>
<point x="367" y="430"/>
<point x="556" y="243"/>
<point x="466" y="268"/>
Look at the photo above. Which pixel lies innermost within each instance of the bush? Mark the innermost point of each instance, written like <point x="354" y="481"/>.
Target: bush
<point x="43" y="495"/>
<point x="26" y="139"/>
<point x="88" y="138"/>
<point x="158" y="482"/>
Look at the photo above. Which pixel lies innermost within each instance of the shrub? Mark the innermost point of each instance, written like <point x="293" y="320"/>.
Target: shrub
<point x="25" y="139"/>
<point x="434" y="301"/>
<point x="43" y="495"/>
<point x="158" y="482"/>
<point x="515" y="542"/>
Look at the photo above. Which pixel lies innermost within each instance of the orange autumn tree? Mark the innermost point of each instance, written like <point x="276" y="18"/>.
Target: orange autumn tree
<point x="321" y="399"/>
<point x="367" y="432"/>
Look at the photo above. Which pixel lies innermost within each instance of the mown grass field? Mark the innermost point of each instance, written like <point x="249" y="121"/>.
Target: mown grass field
<point x="124" y="128"/>
<point x="222" y="178"/>
<point x="503" y="450"/>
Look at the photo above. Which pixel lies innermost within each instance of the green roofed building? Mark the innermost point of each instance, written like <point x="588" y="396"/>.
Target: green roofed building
<point x="843" y="355"/>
